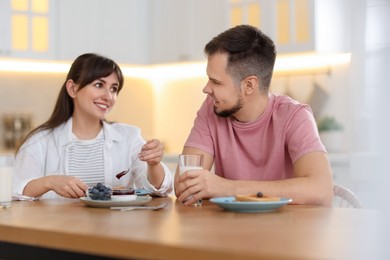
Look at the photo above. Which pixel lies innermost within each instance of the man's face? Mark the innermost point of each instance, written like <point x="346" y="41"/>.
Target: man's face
<point x="221" y="88"/>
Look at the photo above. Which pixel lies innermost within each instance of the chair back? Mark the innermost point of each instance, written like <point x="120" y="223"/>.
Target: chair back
<point x="344" y="198"/>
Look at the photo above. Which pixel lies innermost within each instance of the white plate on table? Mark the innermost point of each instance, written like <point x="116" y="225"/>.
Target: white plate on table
<point x="117" y="201"/>
<point x="231" y="204"/>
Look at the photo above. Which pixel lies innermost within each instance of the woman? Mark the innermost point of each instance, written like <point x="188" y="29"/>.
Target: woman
<point x="76" y="148"/>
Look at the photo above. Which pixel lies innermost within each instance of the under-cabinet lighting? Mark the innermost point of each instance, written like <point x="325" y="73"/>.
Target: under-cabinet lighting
<point x="284" y="64"/>
<point x="308" y="62"/>
<point x="33" y="66"/>
<point x="166" y="71"/>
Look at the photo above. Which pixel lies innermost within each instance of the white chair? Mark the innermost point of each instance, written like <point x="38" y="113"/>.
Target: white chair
<point x="344" y="198"/>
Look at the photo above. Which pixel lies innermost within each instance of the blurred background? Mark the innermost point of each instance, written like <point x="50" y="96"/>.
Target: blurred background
<point x="332" y="54"/>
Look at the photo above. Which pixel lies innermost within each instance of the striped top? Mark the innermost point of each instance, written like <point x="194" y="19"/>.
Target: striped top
<point x="86" y="159"/>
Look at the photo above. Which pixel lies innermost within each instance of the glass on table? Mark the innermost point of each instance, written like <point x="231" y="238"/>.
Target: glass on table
<point x="190" y="162"/>
<point x="6" y="168"/>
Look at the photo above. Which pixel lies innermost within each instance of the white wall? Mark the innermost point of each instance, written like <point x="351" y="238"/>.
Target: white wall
<point x="369" y="83"/>
<point x="371" y="92"/>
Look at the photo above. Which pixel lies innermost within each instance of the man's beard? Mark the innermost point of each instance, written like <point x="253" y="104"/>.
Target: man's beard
<point x="231" y="111"/>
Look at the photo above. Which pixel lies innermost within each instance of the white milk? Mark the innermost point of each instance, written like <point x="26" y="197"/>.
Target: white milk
<point x="5" y="186"/>
<point x="184" y="169"/>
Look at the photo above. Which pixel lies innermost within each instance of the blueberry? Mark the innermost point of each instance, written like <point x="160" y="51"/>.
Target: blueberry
<point x="100" y="192"/>
<point x="259" y="195"/>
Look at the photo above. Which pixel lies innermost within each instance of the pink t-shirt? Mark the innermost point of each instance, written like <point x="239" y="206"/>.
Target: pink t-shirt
<point x="261" y="150"/>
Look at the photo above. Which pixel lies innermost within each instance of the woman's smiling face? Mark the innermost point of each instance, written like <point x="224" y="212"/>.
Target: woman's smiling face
<point x="96" y="99"/>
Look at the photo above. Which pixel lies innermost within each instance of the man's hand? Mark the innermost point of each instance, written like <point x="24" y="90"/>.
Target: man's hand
<point x="198" y="184"/>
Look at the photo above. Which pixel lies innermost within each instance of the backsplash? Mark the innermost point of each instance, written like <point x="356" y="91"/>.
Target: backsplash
<point x="166" y="109"/>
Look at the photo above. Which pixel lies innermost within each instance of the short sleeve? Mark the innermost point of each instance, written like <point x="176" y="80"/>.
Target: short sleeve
<point x="302" y="135"/>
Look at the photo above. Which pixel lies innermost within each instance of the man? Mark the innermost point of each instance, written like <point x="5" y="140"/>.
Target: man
<point x="257" y="141"/>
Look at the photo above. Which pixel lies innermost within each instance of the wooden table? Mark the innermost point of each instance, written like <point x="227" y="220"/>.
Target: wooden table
<point x="206" y="232"/>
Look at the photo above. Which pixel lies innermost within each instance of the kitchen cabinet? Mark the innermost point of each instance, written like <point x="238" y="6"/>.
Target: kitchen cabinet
<point x="118" y="29"/>
<point x="27" y="29"/>
<point x="5" y="28"/>
<point x="155" y="31"/>
<point x="181" y="29"/>
<point x="139" y="31"/>
<point x="296" y="25"/>
<point x="130" y="32"/>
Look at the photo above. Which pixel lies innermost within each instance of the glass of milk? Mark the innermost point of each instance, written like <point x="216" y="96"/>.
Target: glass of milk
<point x="190" y="162"/>
<point x="6" y="167"/>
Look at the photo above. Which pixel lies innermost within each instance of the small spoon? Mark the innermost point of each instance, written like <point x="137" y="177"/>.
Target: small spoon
<point x="141" y="207"/>
<point x="122" y="173"/>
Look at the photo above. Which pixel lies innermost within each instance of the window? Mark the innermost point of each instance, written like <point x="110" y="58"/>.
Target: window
<point x="30" y="25"/>
<point x="245" y="12"/>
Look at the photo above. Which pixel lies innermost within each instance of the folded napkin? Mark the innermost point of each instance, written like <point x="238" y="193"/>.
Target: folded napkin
<point x="24" y="198"/>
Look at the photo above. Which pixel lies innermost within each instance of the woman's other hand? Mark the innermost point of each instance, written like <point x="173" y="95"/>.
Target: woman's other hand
<point x="67" y="186"/>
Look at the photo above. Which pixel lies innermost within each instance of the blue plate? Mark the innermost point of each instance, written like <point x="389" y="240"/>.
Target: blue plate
<point x="142" y="192"/>
<point x="231" y="204"/>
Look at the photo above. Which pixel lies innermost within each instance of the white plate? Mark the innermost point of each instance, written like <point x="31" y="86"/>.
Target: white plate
<point x="231" y="204"/>
<point x="117" y="201"/>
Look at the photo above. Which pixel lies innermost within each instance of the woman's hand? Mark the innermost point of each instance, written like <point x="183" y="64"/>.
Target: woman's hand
<point x="67" y="186"/>
<point x="152" y="152"/>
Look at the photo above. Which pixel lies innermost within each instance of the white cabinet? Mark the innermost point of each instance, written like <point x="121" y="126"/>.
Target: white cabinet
<point x="156" y="31"/>
<point x="296" y="25"/>
<point x="180" y="29"/>
<point x="27" y="29"/>
<point x="130" y="32"/>
<point x="332" y="19"/>
<point x="118" y="29"/>
<point x="5" y="28"/>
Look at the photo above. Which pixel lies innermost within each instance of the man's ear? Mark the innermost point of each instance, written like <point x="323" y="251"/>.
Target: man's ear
<point x="71" y="88"/>
<point x="251" y="84"/>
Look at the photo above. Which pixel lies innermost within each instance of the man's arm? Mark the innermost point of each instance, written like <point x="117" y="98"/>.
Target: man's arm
<point x="311" y="184"/>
